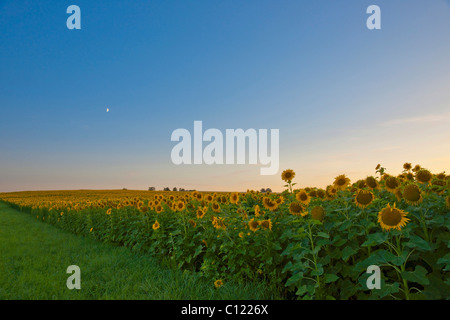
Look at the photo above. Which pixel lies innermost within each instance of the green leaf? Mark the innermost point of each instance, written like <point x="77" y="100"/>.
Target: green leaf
<point x="198" y="250"/>
<point x="330" y="278"/>
<point x="323" y="235"/>
<point x="295" y="278"/>
<point x="418" y="242"/>
<point x="418" y="276"/>
<point x="445" y="260"/>
<point x="348" y="252"/>
<point x="302" y="290"/>
<point x="375" y="239"/>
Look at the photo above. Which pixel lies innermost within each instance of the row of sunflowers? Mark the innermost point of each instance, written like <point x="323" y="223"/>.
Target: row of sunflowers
<point x="309" y="243"/>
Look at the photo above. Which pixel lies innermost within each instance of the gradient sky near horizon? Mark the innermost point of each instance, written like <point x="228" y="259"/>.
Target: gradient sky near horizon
<point x="345" y="98"/>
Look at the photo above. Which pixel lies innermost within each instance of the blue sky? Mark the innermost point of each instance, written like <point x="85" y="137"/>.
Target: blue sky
<point x="345" y="98"/>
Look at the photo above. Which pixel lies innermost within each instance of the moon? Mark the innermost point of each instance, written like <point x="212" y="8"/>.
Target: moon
<point x="107" y="109"/>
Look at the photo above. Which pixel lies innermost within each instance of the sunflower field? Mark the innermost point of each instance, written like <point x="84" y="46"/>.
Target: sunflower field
<point x="306" y="243"/>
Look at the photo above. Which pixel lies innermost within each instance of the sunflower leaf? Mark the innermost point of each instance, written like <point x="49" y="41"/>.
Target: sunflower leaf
<point x="418" y="276"/>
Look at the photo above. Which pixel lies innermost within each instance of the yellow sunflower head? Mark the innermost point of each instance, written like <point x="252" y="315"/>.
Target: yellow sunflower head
<point x="423" y="176"/>
<point x="257" y="210"/>
<point x="391" y="183"/>
<point x="361" y="184"/>
<point x="253" y="225"/>
<point x="318" y="213"/>
<point x="341" y="182"/>
<point x="296" y="209"/>
<point x="156" y="225"/>
<point x="321" y="193"/>
<point x="363" y="198"/>
<point x="287" y="175"/>
<point x="441" y="176"/>
<point x="416" y="168"/>
<point x="412" y="194"/>
<point x="270" y="204"/>
<point x="303" y="197"/>
<point x="266" y="224"/>
<point x="392" y="218"/>
<point x="407" y="166"/>
<point x="215" y="206"/>
<point x="218" y="283"/>
<point x="200" y="213"/>
<point x="158" y="208"/>
<point x="372" y="183"/>
<point x="234" y="198"/>
<point x="180" y="205"/>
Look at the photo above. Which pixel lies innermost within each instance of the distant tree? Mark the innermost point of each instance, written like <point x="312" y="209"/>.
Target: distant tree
<point x="166" y="189"/>
<point x="181" y="189"/>
<point x="151" y="189"/>
<point x="263" y="190"/>
<point x="268" y="190"/>
<point x="124" y="189"/>
<point x="174" y="189"/>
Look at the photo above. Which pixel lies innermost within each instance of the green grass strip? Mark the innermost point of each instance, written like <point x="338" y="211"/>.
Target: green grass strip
<point x="34" y="257"/>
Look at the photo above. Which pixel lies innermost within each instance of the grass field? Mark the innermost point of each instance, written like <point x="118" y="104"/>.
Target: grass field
<point x="35" y="256"/>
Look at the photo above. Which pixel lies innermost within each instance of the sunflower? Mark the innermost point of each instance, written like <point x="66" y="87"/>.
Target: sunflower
<point x="321" y="193"/>
<point x="441" y="176"/>
<point x="303" y="197"/>
<point x="215" y="206"/>
<point x="218" y="223"/>
<point x="209" y="198"/>
<point x="416" y="168"/>
<point x="193" y="223"/>
<point x="407" y="166"/>
<point x="269" y="204"/>
<point x="200" y="213"/>
<point x="218" y="283"/>
<point x="392" y="218"/>
<point x="156" y="225"/>
<point x="108" y="212"/>
<point x="378" y="166"/>
<point x="158" y="208"/>
<point x="331" y="191"/>
<point x="363" y="198"/>
<point x="253" y="225"/>
<point x="341" y="182"/>
<point x="372" y="183"/>
<point x="412" y="194"/>
<point x="361" y="184"/>
<point x="318" y="213"/>
<point x="181" y="205"/>
<point x="423" y="176"/>
<point x="398" y="194"/>
<point x="234" y="198"/>
<point x="287" y="175"/>
<point x="296" y="209"/>
<point x="222" y="199"/>
<point x="257" y="210"/>
<point x="391" y="183"/>
<point x="266" y="224"/>
<point x="313" y="193"/>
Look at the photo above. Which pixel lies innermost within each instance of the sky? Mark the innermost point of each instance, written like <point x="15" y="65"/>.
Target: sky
<point x="343" y="97"/>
